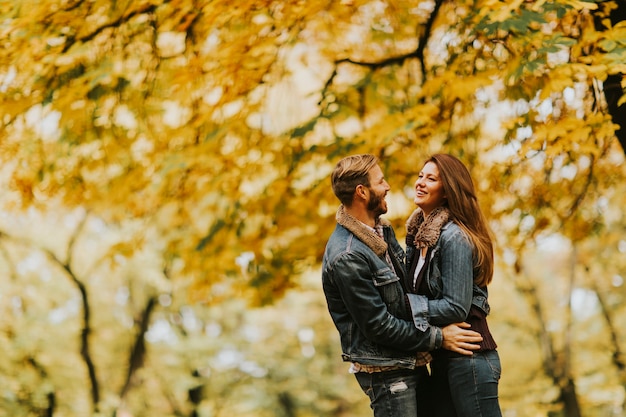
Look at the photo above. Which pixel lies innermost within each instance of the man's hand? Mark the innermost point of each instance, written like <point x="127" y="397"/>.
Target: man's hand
<point x="457" y="339"/>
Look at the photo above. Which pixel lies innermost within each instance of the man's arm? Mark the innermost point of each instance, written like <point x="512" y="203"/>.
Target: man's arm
<point x="362" y="300"/>
<point x="458" y="339"/>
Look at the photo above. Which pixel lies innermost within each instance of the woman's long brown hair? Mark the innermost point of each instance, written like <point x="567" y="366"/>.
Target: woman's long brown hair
<point x="465" y="211"/>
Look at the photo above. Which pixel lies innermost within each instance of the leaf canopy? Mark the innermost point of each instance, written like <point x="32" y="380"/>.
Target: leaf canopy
<point x="218" y="125"/>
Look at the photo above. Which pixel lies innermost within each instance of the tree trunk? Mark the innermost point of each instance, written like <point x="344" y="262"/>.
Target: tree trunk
<point x="138" y="353"/>
<point x="569" y="399"/>
<point x="612" y="85"/>
<point x="555" y="360"/>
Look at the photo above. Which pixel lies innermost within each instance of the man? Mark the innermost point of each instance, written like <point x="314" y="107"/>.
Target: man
<point x="362" y="276"/>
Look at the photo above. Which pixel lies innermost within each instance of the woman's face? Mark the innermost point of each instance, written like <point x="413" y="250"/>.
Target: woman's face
<point x="429" y="192"/>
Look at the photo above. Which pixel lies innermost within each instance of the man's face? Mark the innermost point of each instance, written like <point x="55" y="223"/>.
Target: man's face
<point x="377" y="191"/>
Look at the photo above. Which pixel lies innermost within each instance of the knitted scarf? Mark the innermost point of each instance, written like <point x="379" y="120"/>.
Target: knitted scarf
<point x="424" y="232"/>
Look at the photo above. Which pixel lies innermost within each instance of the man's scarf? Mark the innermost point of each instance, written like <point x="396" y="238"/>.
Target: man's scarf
<point x="363" y="233"/>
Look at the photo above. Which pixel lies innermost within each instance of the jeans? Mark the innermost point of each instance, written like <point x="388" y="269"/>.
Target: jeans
<point x="466" y="386"/>
<point x="394" y="393"/>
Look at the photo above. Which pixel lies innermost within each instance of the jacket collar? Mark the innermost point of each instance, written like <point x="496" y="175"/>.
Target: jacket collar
<point x="425" y="232"/>
<point x="362" y="232"/>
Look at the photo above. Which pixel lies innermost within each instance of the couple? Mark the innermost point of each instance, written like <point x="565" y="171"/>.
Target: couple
<point x="396" y="312"/>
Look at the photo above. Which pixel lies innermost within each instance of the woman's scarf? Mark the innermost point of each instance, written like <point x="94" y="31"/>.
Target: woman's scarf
<point x="424" y="232"/>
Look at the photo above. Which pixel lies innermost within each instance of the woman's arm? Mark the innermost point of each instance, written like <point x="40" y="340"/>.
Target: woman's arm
<point x="457" y="279"/>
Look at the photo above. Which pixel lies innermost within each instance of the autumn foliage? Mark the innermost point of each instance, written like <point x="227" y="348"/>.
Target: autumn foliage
<point x="210" y="127"/>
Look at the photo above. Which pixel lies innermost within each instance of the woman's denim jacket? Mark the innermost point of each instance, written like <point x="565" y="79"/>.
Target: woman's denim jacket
<point x="450" y="279"/>
<point x="365" y="297"/>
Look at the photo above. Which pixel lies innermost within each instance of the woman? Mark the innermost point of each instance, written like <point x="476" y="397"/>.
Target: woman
<point x="450" y="263"/>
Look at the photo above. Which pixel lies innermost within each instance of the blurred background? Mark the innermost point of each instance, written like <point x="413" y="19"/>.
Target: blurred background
<point x="165" y="196"/>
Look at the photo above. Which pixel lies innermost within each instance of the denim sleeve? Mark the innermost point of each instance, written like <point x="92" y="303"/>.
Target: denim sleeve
<point x="419" y="310"/>
<point x="457" y="279"/>
<point x="419" y="313"/>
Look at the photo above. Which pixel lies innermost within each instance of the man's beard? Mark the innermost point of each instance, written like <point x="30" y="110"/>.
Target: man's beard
<point x="376" y="203"/>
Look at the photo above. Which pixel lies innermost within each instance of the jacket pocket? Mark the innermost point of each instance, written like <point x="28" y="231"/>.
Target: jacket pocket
<point x="384" y="276"/>
<point x="390" y="290"/>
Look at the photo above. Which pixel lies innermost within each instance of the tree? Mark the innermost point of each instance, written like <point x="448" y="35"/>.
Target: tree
<point x="217" y="126"/>
<point x="81" y="268"/>
<point x="174" y="111"/>
<point x="612" y="15"/>
<point x="87" y="330"/>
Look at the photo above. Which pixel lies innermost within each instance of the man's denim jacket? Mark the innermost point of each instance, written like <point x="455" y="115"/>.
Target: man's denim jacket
<point x="450" y="279"/>
<point x="366" y="301"/>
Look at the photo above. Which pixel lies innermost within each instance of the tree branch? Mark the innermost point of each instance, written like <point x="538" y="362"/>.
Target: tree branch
<point x="617" y="356"/>
<point x="423" y="39"/>
<point x="85" y="351"/>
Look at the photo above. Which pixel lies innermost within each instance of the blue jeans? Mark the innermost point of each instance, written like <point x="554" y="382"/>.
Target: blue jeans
<point x="466" y="386"/>
<point x="394" y="393"/>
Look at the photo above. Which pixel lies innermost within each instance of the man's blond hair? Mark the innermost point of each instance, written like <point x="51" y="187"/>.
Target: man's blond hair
<point x="349" y="173"/>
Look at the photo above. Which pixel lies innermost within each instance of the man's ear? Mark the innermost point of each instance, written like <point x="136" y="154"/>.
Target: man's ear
<point x="361" y="191"/>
